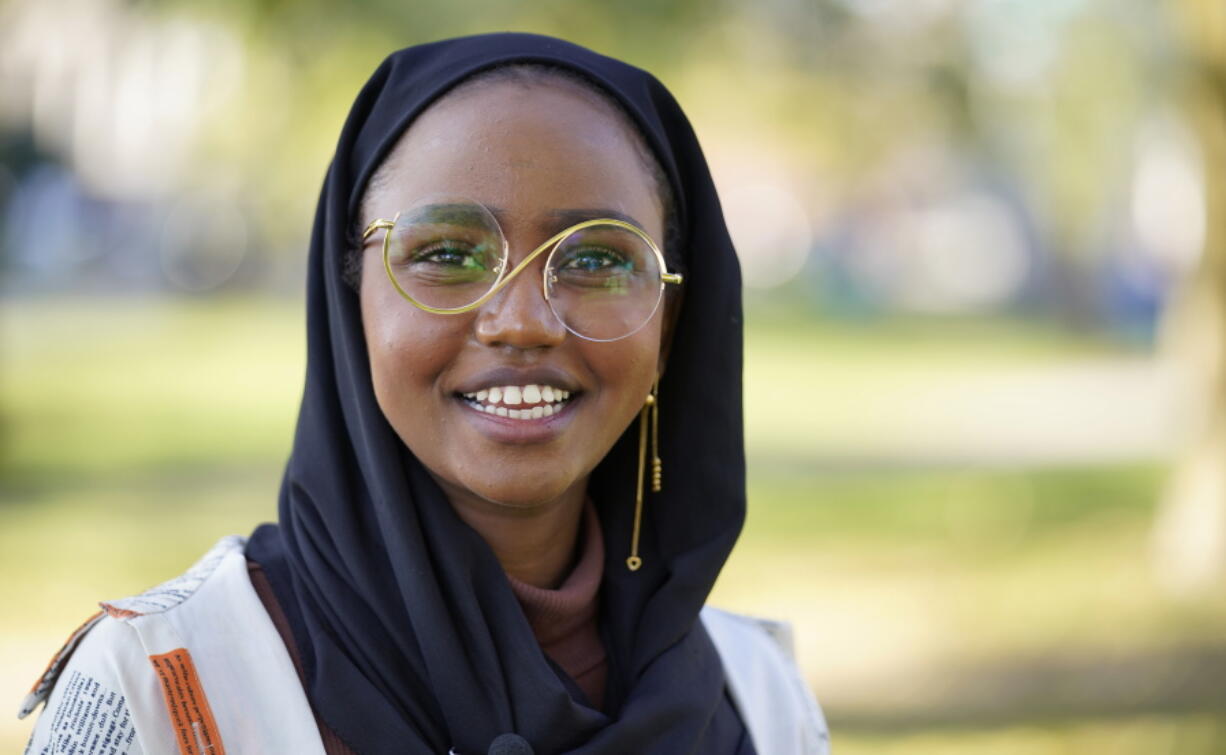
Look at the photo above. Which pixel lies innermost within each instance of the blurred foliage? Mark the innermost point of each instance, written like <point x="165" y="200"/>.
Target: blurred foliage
<point x="876" y="122"/>
<point x="819" y="85"/>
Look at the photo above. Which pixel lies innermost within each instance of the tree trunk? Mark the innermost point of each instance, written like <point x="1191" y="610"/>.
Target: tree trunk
<point x="1190" y="530"/>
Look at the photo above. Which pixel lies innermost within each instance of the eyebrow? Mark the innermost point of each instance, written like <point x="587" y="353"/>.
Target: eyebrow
<point x="570" y="217"/>
<point x="462" y="210"/>
<point x="564" y="218"/>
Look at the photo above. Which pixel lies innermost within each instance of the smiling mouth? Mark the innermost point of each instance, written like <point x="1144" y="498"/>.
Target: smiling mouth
<point x="523" y="402"/>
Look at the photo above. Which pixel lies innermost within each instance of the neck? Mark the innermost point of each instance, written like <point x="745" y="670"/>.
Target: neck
<point x="534" y="544"/>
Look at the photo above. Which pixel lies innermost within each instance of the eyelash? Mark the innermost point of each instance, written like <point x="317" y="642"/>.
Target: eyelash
<point x="608" y="258"/>
<point x="428" y="252"/>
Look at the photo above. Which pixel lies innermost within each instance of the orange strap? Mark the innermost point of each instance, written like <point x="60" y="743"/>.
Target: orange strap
<point x="51" y="672"/>
<point x="195" y="729"/>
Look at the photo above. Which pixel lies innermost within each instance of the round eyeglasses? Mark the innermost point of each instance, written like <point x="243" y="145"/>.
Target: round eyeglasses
<point x="604" y="278"/>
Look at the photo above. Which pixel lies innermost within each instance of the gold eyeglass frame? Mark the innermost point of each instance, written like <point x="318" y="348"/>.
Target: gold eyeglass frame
<point x="505" y="277"/>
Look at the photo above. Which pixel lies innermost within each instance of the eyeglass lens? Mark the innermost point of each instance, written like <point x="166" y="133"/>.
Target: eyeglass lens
<point x="602" y="281"/>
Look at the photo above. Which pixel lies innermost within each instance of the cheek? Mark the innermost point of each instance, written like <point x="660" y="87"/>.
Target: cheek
<point x="408" y="351"/>
<point x="628" y="367"/>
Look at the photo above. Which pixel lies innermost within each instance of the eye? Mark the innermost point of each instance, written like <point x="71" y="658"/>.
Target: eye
<point x="593" y="260"/>
<point x="449" y="254"/>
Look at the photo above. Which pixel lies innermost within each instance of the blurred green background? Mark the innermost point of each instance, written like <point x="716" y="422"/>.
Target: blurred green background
<point x="983" y="247"/>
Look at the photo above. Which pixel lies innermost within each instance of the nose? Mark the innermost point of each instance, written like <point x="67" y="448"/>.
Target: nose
<point x="518" y="314"/>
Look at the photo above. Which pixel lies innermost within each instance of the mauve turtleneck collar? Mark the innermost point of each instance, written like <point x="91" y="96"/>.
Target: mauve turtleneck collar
<point x="564" y="620"/>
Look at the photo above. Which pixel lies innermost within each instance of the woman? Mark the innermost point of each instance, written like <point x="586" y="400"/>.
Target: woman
<point x="469" y="557"/>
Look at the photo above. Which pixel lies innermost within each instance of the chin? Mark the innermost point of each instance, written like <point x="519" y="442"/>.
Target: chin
<point x="525" y="500"/>
<point x="531" y="493"/>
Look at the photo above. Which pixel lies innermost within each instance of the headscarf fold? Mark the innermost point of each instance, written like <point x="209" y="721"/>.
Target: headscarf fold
<point x="411" y="638"/>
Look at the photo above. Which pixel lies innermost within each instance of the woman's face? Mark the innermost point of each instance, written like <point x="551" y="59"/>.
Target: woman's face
<point x="542" y="156"/>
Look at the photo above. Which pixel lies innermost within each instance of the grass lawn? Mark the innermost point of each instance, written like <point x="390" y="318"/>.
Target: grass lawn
<point x="924" y="598"/>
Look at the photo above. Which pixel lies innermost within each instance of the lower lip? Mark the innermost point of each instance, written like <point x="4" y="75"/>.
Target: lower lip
<point x="508" y="430"/>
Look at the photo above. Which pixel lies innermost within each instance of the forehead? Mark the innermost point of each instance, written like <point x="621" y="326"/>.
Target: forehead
<point x="530" y="150"/>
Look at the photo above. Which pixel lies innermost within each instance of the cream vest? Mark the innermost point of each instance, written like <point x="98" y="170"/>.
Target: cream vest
<point x="196" y="667"/>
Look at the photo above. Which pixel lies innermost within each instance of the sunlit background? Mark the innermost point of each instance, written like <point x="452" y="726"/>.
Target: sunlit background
<point x="984" y="244"/>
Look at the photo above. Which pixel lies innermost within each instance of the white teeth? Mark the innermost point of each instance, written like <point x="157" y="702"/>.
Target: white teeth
<point x="537" y="412"/>
<point x="504" y="400"/>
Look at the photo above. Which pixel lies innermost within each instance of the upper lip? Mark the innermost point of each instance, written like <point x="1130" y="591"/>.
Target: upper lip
<point x="500" y="376"/>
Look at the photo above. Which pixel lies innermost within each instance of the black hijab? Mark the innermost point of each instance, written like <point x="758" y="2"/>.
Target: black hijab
<point x="410" y="636"/>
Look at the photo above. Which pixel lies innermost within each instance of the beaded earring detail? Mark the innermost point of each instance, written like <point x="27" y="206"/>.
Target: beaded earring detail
<point x="650" y="407"/>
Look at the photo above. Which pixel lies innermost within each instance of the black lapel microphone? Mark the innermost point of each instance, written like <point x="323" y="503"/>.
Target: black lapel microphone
<point x="510" y="744"/>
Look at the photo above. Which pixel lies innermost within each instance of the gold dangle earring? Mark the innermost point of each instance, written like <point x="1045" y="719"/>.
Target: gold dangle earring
<point x="652" y="407"/>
